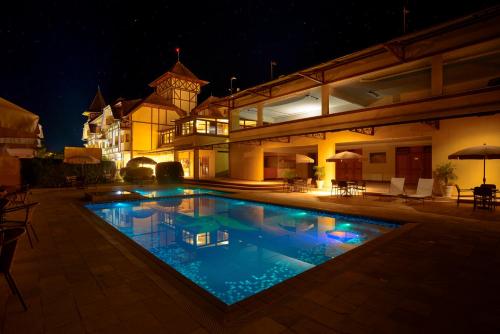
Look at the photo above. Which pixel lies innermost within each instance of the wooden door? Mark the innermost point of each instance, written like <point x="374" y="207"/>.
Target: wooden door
<point x="349" y="170"/>
<point x="413" y="163"/>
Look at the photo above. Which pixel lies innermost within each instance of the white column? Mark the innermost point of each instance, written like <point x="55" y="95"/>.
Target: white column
<point x="234" y="119"/>
<point x="260" y="114"/>
<point x="325" y="100"/>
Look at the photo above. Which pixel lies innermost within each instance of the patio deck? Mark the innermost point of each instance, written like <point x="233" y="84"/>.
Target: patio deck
<point x="438" y="275"/>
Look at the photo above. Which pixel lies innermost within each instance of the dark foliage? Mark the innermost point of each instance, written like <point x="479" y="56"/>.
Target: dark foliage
<point x="169" y="172"/>
<point x="138" y="174"/>
<point x="48" y="172"/>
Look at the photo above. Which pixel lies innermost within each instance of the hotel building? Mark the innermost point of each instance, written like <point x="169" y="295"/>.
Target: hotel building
<point x="405" y="105"/>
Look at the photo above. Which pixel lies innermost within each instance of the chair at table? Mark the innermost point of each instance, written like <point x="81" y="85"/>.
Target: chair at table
<point x="298" y="185"/>
<point x="460" y="194"/>
<point x="343" y="188"/>
<point x="335" y="187"/>
<point x="309" y="184"/>
<point x="286" y="185"/>
<point x="361" y="188"/>
<point x="8" y="244"/>
<point x="494" y="191"/>
<point x="25" y="222"/>
<point x="19" y="197"/>
<point x="483" y="198"/>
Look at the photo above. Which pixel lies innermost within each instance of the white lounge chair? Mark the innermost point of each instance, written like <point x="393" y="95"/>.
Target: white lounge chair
<point x="424" y="190"/>
<point x="395" y="189"/>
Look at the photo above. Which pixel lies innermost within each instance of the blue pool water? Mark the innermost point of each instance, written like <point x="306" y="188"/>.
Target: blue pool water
<point x="176" y="192"/>
<point x="232" y="248"/>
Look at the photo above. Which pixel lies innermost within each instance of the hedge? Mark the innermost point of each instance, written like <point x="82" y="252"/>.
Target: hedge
<point x="49" y="172"/>
<point x="169" y="172"/>
<point x="135" y="174"/>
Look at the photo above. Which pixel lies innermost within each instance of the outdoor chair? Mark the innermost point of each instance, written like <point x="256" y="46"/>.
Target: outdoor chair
<point x="19" y="197"/>
<point x="484" y="198"/>
<point x="25" y="222"/>
<point x="361" y="188"/>
<point x="335" y="187"/>
<point x="396" y="188"/>
<point x="309" y="184"/>
<point x="287" y="185"/>
<point x="424" y="190"/>
<point x="461" y="195"/>
<point x="343" y="188"/>
<point x="8" y="244"/>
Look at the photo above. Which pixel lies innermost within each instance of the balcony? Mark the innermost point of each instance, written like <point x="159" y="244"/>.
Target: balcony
<point x="197" y="125"/>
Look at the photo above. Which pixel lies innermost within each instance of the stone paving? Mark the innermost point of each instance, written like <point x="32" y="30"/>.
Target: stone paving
<point x="440" y="274"/>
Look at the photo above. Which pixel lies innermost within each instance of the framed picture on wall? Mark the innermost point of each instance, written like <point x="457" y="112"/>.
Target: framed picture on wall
<point x="378" y="158"/>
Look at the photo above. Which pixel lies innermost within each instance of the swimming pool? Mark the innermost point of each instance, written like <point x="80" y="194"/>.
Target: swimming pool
<point x="176" y="191"/>
<point x="234" y="249"/>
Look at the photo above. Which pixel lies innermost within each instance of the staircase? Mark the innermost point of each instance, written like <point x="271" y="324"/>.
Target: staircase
<point x="239" y="185"/>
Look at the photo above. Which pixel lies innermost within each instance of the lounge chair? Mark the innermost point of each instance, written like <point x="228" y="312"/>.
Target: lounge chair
<point x="395" y="189"/>
<point x="424" y="190"/>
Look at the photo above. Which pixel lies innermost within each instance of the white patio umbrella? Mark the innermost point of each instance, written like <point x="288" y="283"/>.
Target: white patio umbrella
<point x="345" y="155"/>
<point x="483" y="152"/>
<point x="303" y="159"/>
<point x="82" y="160"/>
<point x="18" y="127"/>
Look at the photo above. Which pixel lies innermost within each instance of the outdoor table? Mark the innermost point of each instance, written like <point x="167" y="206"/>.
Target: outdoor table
<point x="299" y="185"/>
<point x="344" y="188"/>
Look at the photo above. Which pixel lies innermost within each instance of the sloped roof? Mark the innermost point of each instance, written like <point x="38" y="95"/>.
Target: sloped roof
<point x="179" y="71"/>
<point x="205" y="105"/>
<point x="98" y="102"/>
<point x="122" y="107"/>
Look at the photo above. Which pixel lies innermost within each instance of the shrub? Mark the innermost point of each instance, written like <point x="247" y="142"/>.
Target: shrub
<point x="169" y="172"/>
<point x="445" y="173"/>
<point x="51" y="172"/>
<point x="133" y="174"/>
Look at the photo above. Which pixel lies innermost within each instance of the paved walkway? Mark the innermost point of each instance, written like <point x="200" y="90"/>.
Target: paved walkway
<point x="438" y="276"/>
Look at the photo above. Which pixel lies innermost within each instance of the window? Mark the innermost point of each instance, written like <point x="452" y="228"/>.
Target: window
<point x="204" y="166"/>
<point x="378" y="158"/>
<point x="222" y="129"/>
<point x="201" y="126"/>
<point x="202" y="239"/>
<point x="166" y="137"/>
<point x="187" y="237"/>
<point x="246" y="123"/>
<point x="222" y="238"/>
<point x="186" y="128"/>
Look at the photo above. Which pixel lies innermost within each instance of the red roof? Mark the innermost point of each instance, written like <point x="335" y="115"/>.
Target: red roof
<point x="179" y="71"/>
<point x="122" y="107"/>
<point x="207" y="105"/>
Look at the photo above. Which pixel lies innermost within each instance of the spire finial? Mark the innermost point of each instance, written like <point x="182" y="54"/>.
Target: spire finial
<point x="178" y="50"/>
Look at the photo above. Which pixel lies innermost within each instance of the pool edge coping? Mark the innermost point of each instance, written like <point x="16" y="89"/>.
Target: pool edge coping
<point x="219" y="309"/>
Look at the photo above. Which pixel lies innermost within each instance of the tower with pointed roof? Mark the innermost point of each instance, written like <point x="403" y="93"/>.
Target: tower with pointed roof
<point x="179" y="86"/>
<point x="96" y="106"/>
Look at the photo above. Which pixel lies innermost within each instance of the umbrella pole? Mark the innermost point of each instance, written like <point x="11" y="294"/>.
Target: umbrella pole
<point x="484" y="170"/>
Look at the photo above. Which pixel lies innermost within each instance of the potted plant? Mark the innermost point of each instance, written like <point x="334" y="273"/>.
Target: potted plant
<point x="289" y="175"/>
<point x="319" y="172"/>
<point x="445" y="173"/>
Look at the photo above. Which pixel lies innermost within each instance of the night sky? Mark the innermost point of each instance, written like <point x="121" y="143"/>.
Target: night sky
<point x="54" y="53"/>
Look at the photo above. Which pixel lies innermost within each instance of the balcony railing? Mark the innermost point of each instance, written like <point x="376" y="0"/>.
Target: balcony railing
<point x="202" y="126"/>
